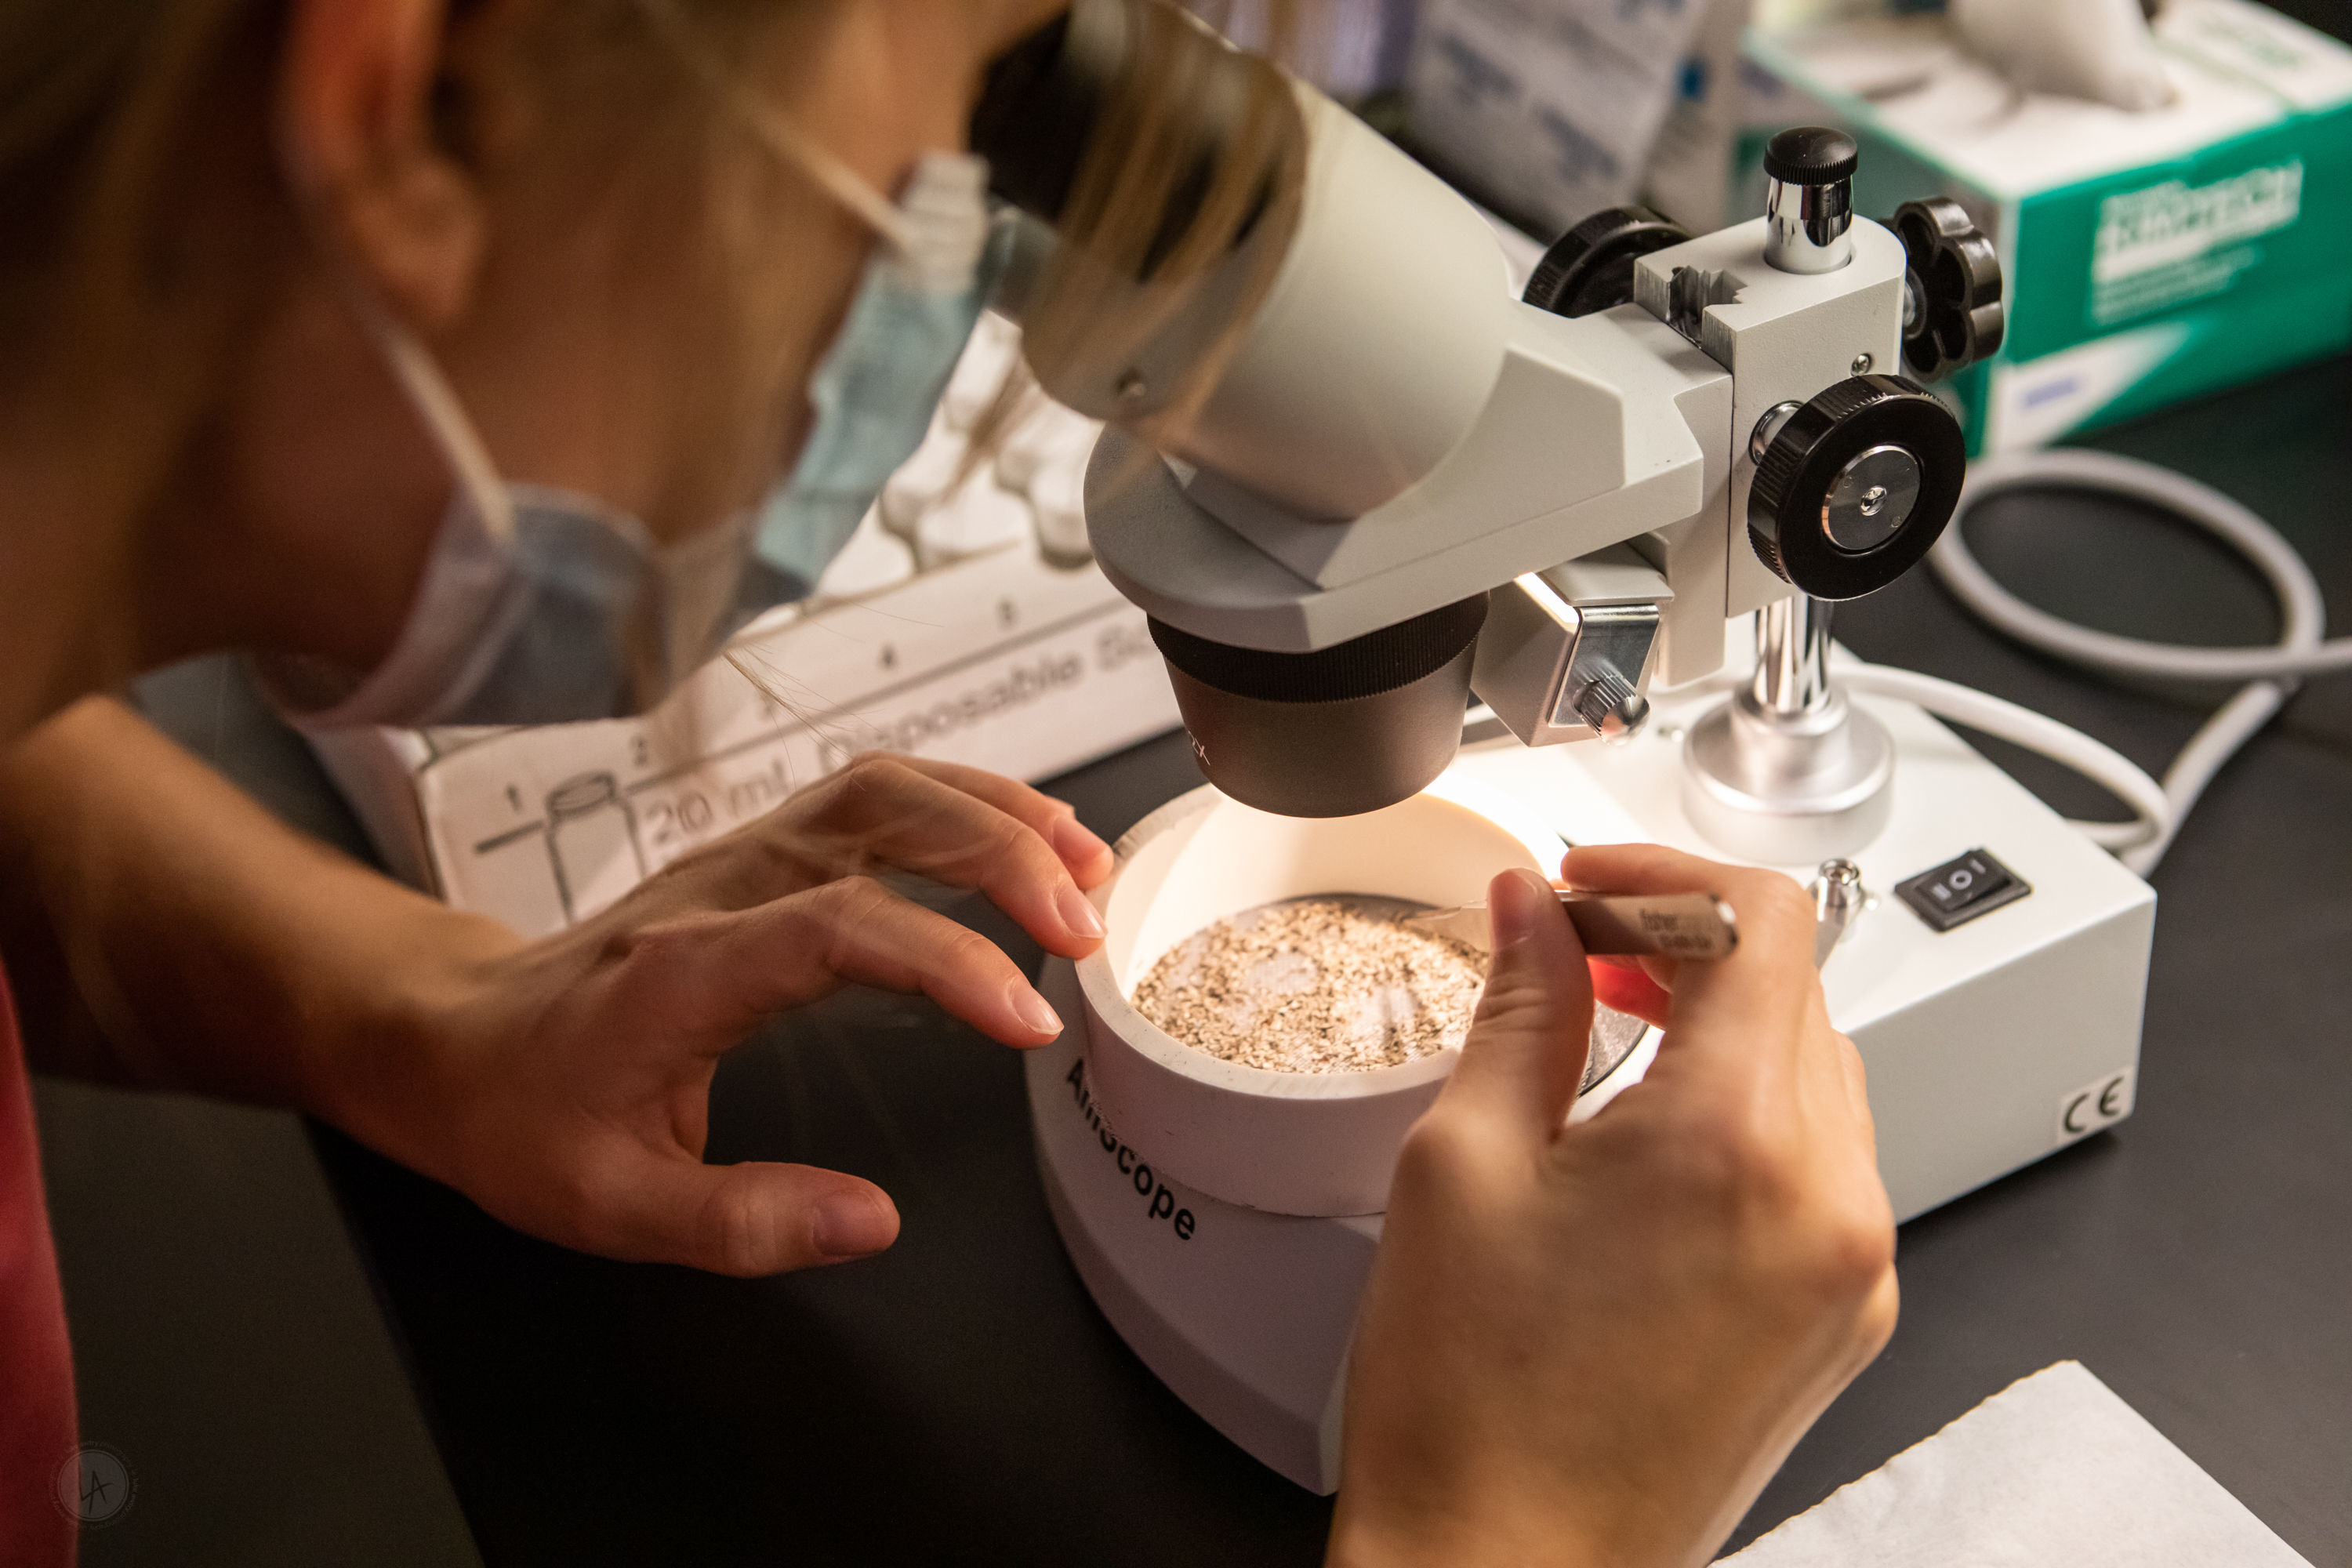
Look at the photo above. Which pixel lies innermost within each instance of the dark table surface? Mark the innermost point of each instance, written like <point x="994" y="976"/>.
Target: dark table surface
<point x="959" y="1399"/>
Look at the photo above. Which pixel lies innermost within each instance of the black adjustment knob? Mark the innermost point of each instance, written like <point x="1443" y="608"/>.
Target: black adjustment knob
<point x="1811" y="156"/>
<point x="1855" y="487"/>
<point x="1952" y="315"/>
<point x="1590" y="267"/>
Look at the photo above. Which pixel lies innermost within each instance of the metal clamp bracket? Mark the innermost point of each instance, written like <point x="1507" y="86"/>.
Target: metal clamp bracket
<point x="1564" y="652"/>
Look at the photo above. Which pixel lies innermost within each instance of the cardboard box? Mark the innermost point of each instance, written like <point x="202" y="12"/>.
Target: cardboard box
<point x="1000" y="662"/>
<point x="2149" y="257"/>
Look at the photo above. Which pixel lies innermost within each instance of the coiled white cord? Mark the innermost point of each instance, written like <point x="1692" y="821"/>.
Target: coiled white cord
<point x="2153" y="814"/>
<point x="2269" y="672"/>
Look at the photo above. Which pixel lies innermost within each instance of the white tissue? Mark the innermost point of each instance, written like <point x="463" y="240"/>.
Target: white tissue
<point x="2098" y="49"/>
<point x="2055" y="1472"/>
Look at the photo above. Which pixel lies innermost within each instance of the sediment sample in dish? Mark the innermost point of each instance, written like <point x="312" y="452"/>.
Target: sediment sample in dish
<point x="1334" y="983"/>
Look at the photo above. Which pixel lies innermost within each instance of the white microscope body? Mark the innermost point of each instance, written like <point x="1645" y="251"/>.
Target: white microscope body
<point x="1397" y="433"/>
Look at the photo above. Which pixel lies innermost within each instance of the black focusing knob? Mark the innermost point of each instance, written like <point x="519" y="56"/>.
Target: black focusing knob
<point x="1811" y="156"/>
<point x="1952" y="314"/>
<point x="1590" y="267"/>
<point x="1855" y="487"/>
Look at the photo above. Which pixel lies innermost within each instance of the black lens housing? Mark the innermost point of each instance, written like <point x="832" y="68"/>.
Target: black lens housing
<point x="1342" y="730"/>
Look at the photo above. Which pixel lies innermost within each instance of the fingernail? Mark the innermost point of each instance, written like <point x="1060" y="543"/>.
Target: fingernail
<point x="852" y="1225"/>
<point x="1075" y="844"/>
<point x="1077" y="911"/>
<point x="1031" y="1009"/>
<point x="1513" y="900"/>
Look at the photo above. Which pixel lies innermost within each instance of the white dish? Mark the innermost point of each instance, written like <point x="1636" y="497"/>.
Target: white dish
<point x="1294" y="1143"/>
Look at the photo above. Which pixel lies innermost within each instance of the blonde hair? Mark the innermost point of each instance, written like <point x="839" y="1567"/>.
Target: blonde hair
<point x="112" y="354"/>
<point x="97" y="98"/>
<point x="1119" y="280"/>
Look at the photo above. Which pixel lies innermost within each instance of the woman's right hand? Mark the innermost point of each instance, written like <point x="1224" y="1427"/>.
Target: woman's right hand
<point x="1594" y="1344"/>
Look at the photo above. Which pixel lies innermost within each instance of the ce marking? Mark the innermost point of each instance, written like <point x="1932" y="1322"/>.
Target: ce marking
<point x="2100" y="1103"/>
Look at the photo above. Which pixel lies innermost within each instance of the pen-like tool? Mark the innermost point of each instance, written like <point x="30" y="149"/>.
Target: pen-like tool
<point x="1674" y="925"/>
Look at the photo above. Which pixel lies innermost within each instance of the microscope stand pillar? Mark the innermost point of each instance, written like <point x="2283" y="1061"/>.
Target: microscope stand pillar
<point x="1787" y="769"/>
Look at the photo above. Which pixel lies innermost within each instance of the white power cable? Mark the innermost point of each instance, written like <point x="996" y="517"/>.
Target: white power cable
<point x="2154" y="815"/>
<point x="2299" y="650"/>
<point x="2269" y="672"/>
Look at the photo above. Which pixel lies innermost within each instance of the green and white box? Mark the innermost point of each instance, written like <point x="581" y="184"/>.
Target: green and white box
<point x="2149" y="257"/>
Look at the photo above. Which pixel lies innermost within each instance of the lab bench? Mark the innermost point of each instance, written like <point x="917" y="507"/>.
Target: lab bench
<point x="961" y="1400"/>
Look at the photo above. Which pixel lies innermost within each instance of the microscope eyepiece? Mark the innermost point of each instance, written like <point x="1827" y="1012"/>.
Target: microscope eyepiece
<point x="1809" y="199"/>
<point x="1811" y="156"/>
<point x="1342" y="730"/>
<point x="1042" y="99"/>
<point x="1038" y="106"/>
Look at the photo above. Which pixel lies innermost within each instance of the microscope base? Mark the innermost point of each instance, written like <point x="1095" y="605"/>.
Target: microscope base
<point x="1246" y="1316"/>
<point x="1989" y="1046"/>
<point x="1831" y="795"/>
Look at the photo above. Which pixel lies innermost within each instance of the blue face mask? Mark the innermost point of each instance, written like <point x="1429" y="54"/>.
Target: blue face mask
<point x="541" y="607"/>
<point x="874" y="393"/>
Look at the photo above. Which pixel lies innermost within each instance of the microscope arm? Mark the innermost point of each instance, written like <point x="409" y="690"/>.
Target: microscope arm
<point x="1587" y="431"/>
<point x="1398" y="450"/>
<point x="1597" y="431"/>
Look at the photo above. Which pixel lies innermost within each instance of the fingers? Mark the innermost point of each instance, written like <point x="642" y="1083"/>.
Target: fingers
<point x="731" y="972"/>
<point x="1526" y="1049"/>
<point x="1026" y="851"/>
<point x="1855" y="1084"/>
<point x="1087" y="857"/>
<point x="1775" y="921"/>
<point x="1628" y="988"/>
<point x="745" y="1220"/>
<point x="1054" y="821"/>
<point x="1722" y="1005"/>
<point x="960" y="826"/>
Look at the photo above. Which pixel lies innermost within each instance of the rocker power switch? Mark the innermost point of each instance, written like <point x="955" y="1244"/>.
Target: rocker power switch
<point x="1959" y="890"/>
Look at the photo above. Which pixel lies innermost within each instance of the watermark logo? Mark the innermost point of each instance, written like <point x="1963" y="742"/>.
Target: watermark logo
<point x="93" y="1484"/>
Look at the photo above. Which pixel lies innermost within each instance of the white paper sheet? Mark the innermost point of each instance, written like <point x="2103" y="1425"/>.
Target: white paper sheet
<point x="2055" y="1472"/>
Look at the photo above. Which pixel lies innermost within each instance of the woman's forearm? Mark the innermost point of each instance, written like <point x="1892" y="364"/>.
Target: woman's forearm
<point x="163" y="927"/>
<point x="562" y="1084"/>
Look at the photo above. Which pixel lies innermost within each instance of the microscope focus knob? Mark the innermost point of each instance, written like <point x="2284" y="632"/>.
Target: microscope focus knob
<point x="1590" y="267"/>
<point x="1854" y="487"/>
<point x="1952" y="314"/>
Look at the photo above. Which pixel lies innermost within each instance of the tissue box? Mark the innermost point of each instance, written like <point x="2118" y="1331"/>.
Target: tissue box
<point x="2149" y="257"/>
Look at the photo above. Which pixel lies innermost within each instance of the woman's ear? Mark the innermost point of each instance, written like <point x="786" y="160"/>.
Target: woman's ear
<point x="357" y="135"/>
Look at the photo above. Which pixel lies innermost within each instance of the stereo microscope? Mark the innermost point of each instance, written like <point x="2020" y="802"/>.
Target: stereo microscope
<point x="1617" y="507"/>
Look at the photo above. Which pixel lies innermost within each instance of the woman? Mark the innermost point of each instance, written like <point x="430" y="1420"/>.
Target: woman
<point x="297" y="293"/>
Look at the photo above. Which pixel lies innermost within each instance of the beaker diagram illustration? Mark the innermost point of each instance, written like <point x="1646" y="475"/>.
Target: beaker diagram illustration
<point x="592" y="842"/>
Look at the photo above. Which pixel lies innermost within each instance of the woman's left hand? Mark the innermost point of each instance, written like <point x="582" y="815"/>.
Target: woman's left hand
<point x="563" y="1084"/>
